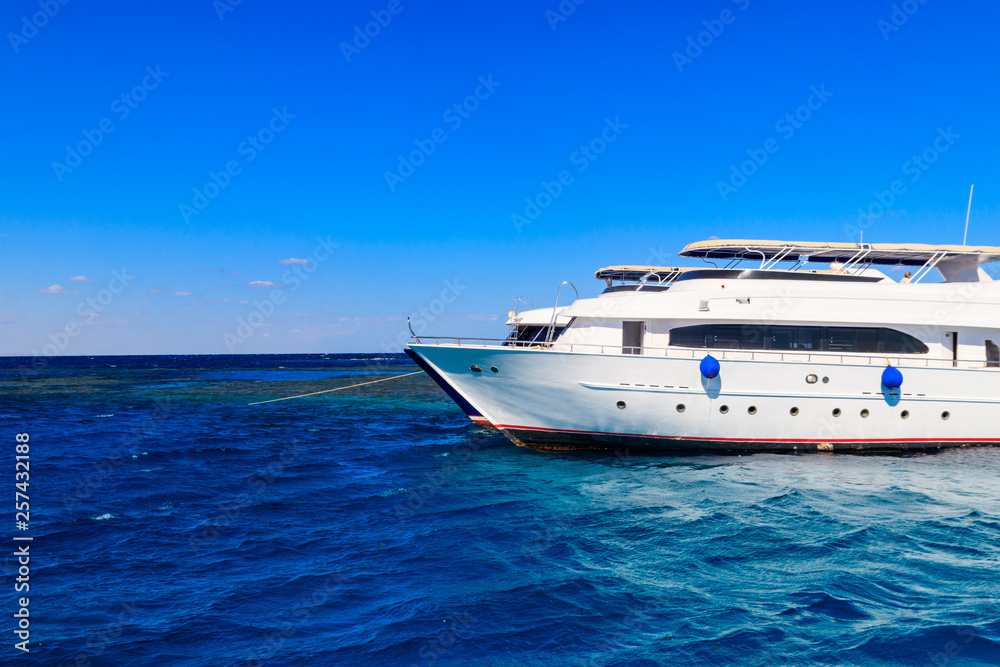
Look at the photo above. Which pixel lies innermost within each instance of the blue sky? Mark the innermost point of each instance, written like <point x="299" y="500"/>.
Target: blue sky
<point x="260" y="133"/>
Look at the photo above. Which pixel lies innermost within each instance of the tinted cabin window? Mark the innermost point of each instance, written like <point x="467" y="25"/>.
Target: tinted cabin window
<point x="690" y="336"/>
<point x="536" y="334"/>
<point x="796" y="338"/>
<point x="753" y="337"/>
<point x="840" y="340"/>
<point x="784" y="338"/>
<point x="726" y="336"/>
<point x="828" y="339"/>
<point x="530" y="333"/>
<point x="898" y="342"/>
<point x="852" y="339"/>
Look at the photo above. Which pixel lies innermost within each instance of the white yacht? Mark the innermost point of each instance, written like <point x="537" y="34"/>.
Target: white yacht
<point x="748" y="356"/>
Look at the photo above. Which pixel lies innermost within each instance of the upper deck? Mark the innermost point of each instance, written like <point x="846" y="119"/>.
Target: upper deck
<point x="648" y="310"/>
<point x="956" y="263"/>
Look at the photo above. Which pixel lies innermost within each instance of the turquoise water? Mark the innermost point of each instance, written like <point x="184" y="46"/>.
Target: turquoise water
<point x="173" y="524"/>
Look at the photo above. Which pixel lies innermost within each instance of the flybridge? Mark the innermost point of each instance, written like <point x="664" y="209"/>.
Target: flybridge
<point x="957" y="263"/>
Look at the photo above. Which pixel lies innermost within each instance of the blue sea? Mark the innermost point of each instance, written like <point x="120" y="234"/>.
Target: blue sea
<point x="174" y="524"/>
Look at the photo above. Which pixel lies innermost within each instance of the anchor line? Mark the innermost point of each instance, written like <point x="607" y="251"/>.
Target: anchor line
<point x="327" y="391"/>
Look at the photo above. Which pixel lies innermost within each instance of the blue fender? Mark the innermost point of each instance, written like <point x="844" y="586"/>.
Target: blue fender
<point x="709" y="366"/>
<point x="892" y="377"/>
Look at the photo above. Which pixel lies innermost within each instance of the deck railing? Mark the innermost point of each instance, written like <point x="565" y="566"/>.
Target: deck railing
<point x="795" y="356"/>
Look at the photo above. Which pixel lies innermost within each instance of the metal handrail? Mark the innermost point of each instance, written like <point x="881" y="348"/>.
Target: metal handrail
<point x="790" y="356"/>
<point x="927" y="267"/>
<point x="555" y="308"/>
<point x="863" y="251"/>
<point x="784" y="252"/>
<point x="524" y="301"/>
<point x="516" y="312"/>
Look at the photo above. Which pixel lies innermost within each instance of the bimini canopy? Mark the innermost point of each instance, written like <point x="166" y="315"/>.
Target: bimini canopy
<point x="901" y="254"/>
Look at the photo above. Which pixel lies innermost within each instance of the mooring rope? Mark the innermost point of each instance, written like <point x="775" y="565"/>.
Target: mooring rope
<point x="327" y="391"/>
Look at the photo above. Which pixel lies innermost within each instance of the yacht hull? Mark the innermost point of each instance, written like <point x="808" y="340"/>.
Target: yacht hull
<point x="565" y="400"/>
<point x="460" y="400"/>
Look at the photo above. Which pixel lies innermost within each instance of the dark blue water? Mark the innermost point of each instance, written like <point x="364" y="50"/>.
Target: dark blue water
<point x="175" y="525"/>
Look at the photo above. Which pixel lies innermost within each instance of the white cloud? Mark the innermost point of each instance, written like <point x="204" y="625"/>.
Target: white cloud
<point x="80" y="279"/>
<point x="295" y="260"/>
<point x="57" y="289"/>
<point x="216" y="302"/>
<point x="169" y="293"/>
<point x="369" y="321"/>
<point x="263" y="283"/>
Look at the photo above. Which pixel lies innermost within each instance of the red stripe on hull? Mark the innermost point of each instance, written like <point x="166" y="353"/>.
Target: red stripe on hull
<point x="782" y="440"/>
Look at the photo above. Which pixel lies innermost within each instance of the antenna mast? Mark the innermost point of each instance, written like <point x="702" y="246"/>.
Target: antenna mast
<point x="967" y="211"/>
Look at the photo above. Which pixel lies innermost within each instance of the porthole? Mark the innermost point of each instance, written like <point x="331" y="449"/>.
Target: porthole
<point x="752" y="410"/>
<point x="836" y="412"/>
<point x="680" y="407"/>
<point x="945" y="414"/>
<point x="620" y="405"/>
<point x="724" y="409"/>
<point x="811" y="379"/>
<point x="864" y="413"/>
<point x="793" y="412"/>
<point x="475" y="369"/>
<point x="905" y="414"/>
<point x="494" y="369"/>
